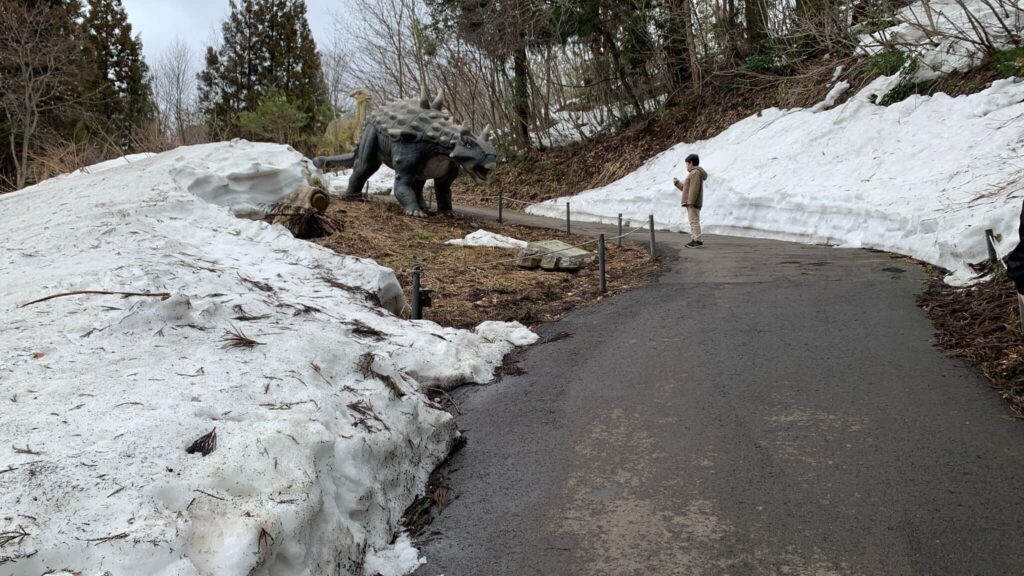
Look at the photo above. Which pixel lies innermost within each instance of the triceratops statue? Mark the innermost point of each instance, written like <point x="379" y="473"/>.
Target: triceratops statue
<point x="420" y="142"/>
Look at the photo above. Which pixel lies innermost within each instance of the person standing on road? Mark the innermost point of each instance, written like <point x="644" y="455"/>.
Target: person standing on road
<point x="693" y="197"/>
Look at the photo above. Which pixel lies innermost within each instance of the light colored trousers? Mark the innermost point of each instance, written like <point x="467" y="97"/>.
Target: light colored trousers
<point x="694" y="214"/>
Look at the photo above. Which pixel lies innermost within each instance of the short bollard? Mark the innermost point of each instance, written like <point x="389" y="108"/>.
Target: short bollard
<point x="990" y="242"/>
<point x="1020" y="310"/>
<point x="650" y="224"/>
<point x="501" y="205"/>
<point x="568" y="220"/>
<point x="417" y="308"/>
<point x="601" y="261"/>
<point x="620" y="229"/>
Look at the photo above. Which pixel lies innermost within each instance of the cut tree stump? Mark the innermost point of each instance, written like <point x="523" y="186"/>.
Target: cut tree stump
<point x="299" y="211"/>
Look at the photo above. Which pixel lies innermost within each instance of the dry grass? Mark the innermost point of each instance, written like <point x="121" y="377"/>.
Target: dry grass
<point x="466" y="290"/>
<point x="981" y="325"/>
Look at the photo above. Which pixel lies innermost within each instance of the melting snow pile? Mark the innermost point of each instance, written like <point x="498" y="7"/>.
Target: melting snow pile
<point x="488" y="240"/>
<point x="286" y="350"/>
<point x="576" y="122"/>
<point x="923" y="177"/>
<point x="381" y="183"/>
<point x="107" y="165"/>
<point x="946" y="36"/>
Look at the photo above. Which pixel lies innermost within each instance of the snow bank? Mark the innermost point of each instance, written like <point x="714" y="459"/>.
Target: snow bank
<point x="950" y="35"/>
<point x="381" y="183"/>
<point x="572" y="124"/>
<point x="323" y="433"/>
<point x="487" y="239"/>
<point x="923" y="177"/>
<point x="108" y="164"/>
<point x="241" y="175"/>
<point x="398" y="560"/>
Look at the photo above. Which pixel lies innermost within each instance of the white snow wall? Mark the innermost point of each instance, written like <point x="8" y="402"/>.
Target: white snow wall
<point x="317" y="452"/>
<point x="923" y="177"/>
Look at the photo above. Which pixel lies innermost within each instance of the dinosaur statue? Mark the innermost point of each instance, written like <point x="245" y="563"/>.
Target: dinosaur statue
<point x="420" y="142"/>
<point x="345" y="130"/>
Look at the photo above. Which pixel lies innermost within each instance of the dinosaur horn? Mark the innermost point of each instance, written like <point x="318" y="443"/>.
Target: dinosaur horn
<point x="487" y="132"/>
<point x="438" y="102"/>
<point x="424" y="97"/>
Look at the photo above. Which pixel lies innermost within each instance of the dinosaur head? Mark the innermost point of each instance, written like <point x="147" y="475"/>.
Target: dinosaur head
<point x="476" y="154"/>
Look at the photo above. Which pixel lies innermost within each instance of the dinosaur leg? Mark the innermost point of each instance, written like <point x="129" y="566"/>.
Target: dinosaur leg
<point x="443" y="190"/>
<point x="406" y="195"/>
<point x="405" y="179"/>
<point x="417" y="187"/>
<point x="367" y="162"/>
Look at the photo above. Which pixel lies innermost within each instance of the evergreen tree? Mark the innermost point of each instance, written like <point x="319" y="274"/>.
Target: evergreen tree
<point x="120" y="88"/>
<point x="43" y="58"/>
<point x="267" y="45"/>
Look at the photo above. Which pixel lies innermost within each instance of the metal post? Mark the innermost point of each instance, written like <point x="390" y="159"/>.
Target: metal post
<point x="1020" y="310"/>
<point x="601" y="261"/>
<point x="501" y="205"/>
<point x="417" y="310"/>
<point x="620" y="229"/>
<point x="990" y="241"/>
<point x="650" y="224"/>
<point x="568" y="220"/>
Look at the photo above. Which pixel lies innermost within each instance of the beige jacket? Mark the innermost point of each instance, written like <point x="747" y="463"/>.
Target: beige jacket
<point x="693" y="187"/>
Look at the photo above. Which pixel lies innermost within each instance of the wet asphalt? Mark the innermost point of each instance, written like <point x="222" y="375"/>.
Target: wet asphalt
<point x="762" y="408"/>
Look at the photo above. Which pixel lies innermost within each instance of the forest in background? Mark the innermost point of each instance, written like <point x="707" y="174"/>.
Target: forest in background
<point x="75" y="89"/>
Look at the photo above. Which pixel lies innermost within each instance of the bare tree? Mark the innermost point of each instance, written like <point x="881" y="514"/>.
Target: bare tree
<point x="174" y="88"/>
<point x="41" y="67"/>
<point x="336" y="64"/>
<point x="386" y="57"/>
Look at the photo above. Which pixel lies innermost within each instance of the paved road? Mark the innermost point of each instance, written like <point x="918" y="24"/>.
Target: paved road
<point x="764" y="408"/>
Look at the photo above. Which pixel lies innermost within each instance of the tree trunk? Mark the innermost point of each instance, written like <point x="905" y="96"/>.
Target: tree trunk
<point x="521" y="96"/>
<point x="677" y="48"/>
<point x="818" y="24"/>
<point x="620" y="72"/>
<point x="756" y="15"/>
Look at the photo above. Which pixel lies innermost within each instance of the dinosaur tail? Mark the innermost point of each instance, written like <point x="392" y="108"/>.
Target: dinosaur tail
<point x="329" y="162"/>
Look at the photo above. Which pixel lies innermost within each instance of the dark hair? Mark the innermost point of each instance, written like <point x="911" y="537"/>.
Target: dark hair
<point x="693" y="159"/>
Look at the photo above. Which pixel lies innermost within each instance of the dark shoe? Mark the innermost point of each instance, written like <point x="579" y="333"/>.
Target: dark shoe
<point x="693" y="244"/>
<point x="699" y="243"/>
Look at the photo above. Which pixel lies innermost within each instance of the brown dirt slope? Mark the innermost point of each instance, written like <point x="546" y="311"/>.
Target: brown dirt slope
<point x="468" y="288"/>
<point x="981" y="325"/>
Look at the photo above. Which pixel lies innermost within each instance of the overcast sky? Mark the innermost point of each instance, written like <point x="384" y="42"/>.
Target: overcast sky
<point x="198" y="22"/>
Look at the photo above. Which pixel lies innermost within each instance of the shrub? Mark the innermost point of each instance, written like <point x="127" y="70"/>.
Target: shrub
<point x="887" y="62"/>
<point x="906" y="86"/>
<point x="766" y="63"/>
<point x="772" y="57"/>
<point x="1009" y="62"/>
<point x="275" y="119"/>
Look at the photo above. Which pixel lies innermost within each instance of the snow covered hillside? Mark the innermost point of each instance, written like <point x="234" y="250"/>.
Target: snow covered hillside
<point x="946" y="36"/>
<point x="323" y="434"/>
<point x="923" y="177"/>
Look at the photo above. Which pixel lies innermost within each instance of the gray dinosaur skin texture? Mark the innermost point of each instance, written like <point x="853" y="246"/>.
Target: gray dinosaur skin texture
<point x="419" y="142"/>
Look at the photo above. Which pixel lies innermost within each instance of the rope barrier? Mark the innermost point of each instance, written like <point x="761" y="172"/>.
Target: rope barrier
<point x="507" y="260"/>
<point x="517" y="258"/>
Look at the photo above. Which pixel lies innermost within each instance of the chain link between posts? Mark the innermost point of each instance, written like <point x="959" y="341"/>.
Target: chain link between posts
<point x="424" y="269"/>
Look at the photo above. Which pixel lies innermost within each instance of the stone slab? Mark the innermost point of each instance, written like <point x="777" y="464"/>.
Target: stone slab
<point x="554" y="255"/>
